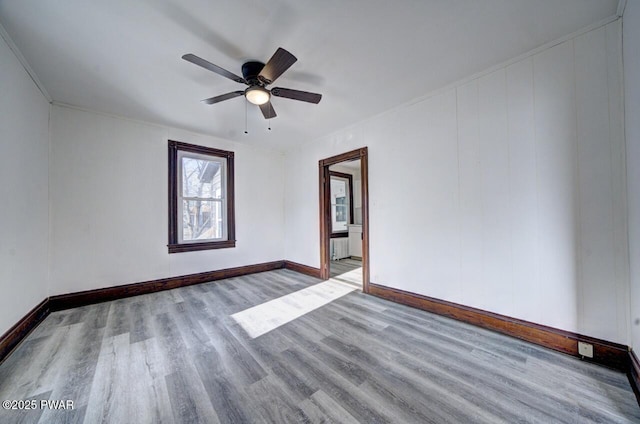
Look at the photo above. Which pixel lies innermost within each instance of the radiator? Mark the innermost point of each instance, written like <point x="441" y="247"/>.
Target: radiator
<point x="339" y="248"/>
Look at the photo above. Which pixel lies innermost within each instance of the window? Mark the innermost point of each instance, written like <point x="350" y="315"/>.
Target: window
<point x="341" y="203"/>
<point x="201" y="206"/>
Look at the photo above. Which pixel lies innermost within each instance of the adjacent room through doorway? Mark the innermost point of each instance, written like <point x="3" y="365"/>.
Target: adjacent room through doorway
<point x="345" y="246"/>
<point x="344" y="250"/>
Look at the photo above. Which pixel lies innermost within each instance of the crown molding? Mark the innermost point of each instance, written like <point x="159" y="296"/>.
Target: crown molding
<point x="622" y="4"/>
<point x="7" y="39"/>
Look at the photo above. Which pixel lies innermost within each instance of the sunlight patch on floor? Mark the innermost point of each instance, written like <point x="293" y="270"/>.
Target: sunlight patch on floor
<point x="353" y="277"/>
<point x="270" y="315"/>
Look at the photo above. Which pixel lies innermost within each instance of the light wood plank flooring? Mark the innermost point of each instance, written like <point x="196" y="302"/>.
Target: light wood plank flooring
<point x="179" y="356"/>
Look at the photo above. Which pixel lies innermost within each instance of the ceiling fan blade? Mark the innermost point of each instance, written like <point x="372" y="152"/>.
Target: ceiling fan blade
<point x="268" y="111"/>
<point x="304" y="96"/>
<point x="279" y="62"/>
<point x="213" y="68"/>
<point x="223" y="97"/>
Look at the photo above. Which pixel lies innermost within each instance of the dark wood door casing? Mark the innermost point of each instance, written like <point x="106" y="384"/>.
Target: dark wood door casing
<point x="325" y="210"/>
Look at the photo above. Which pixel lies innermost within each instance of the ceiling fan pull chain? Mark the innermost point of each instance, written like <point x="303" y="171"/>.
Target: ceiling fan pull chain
<point x="245" y="117"/>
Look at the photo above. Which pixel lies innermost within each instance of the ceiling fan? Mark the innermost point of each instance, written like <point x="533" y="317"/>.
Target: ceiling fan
<point x="257" y="76"/>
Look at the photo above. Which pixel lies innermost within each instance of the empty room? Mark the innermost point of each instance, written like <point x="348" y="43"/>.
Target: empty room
<point x="287" y="211"/>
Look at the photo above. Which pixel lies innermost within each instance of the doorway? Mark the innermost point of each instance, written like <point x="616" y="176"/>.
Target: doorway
<point x="344" y="216"/>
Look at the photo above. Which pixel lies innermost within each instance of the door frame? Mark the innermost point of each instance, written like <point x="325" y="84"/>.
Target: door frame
<point x="325" y="210"/>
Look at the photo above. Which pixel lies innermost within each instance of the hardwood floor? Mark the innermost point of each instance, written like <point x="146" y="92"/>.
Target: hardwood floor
<point x="180" y="356"/>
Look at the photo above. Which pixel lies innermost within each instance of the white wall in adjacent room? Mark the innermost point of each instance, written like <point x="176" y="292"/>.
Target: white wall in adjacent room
<point x="631" y="37"/>
<point x="504" y="193"/>
<point x="109" y="203"/>
<point x="24" y="192"/>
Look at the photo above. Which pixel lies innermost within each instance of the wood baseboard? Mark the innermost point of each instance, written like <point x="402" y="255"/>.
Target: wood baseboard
<point x="12" y="338"/>
<point x="88" y="297"/>
<point x="303" y="269"/>
<point x="634" y="374"/>
<point x="606" y="353"/>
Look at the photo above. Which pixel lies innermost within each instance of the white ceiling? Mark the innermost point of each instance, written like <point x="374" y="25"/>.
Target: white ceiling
<point x="365" y="56"/>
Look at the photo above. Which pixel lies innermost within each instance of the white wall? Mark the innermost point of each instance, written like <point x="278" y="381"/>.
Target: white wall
<point x="24" y="141"/>
<point x="109" y="203"/>
<point x="504" y="193"/>
<point x="632" y="123"/>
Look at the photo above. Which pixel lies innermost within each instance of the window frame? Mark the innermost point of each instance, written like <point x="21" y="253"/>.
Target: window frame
<point x="174" y="180"/>
<point x="349" y="177"/>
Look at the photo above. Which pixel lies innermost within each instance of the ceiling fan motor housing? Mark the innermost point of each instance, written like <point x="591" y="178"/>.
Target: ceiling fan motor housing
<point x="250" y="72"/>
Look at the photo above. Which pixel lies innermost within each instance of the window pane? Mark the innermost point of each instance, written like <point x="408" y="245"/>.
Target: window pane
<point x="201" y="220"/>
<point x="338" y="188"/>
<point x="201" y="178"/>
<point x="340" y="198"/>
<point x="341" y="213"/>
<point x="201" y="198"/>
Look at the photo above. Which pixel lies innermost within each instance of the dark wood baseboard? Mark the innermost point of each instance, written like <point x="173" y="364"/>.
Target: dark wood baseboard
<point x="303" y="269"/>
<point x="12" y="338"/>
<point x="606" y="353"/>
<point x="88" y="297"/>
<point x="634" y="374"/>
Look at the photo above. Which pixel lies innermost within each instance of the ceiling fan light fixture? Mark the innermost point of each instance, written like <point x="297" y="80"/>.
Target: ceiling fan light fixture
<point x="257" y="95"/>
<point x="257" y="76"/>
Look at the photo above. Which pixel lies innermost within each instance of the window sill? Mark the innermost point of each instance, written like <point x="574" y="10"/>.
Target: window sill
<point x="191" y="247"/>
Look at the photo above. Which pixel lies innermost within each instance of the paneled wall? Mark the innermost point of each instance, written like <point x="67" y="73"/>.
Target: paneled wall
<point x="505" y="192"/>
<point x="632" y="112"/>
<point x="24" y="191"/>
<point x="109" y="203"/>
